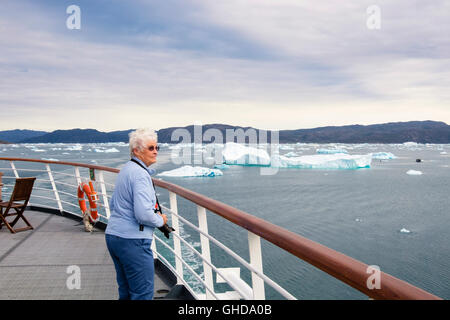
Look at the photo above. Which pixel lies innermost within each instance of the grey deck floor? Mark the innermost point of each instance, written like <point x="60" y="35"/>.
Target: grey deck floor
<point x="34" y="264"/>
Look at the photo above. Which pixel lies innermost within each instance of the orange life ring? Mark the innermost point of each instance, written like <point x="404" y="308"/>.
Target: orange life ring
<point x="84" y="188"/>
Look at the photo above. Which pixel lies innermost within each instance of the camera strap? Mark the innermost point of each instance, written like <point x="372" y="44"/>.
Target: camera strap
<point x="158" y="209"/>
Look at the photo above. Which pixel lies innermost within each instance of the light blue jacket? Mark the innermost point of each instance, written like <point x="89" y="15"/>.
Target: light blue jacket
<point x="133" y="203"/>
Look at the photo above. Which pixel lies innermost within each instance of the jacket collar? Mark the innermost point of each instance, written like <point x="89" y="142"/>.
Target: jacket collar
<point x="151" y="171"/>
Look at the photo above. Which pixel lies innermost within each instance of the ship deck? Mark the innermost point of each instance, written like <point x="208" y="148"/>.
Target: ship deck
<point x="58" y="260"/>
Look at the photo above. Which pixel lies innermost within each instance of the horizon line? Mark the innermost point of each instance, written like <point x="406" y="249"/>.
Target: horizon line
<point x="225" y="124"/>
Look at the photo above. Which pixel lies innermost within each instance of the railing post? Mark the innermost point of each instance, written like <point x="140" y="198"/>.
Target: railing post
<point x="1" y="185"/>
<point x="58" y="200"/>
<point x="105" y="198"/>
<point x="77" y="175"/>
<point x="254" y="245"/>
<point x="204" y="241"/>
<point x="176" y="240"/>
<point x="153" y="247"/>
<point x="16" y="174"/>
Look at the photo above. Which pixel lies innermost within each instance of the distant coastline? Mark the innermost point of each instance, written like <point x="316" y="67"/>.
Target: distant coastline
<point x="394" y="132"/>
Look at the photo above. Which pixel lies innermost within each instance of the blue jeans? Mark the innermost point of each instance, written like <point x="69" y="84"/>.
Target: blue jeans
<point x="133" y="260"/>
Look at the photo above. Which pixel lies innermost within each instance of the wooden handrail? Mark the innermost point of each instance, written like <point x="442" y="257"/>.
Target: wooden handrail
<point x="340" y="266"/>
<point x="349" y="270"/>
<point x="74" y="164"/>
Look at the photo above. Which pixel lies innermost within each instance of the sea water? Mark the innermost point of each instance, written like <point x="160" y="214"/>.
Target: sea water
<point x="379" y="215"/>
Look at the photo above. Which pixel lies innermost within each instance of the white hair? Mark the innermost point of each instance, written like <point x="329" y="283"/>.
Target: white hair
<point x="140" y="137"/>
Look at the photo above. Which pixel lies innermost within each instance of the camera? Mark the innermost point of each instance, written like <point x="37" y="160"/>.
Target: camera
<point x="166" y="229"/>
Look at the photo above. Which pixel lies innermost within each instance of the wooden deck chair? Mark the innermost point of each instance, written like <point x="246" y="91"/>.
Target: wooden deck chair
<point x="22" y="192"/>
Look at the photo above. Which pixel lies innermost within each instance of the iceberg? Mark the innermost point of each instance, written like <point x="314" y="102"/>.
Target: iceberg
<point x="239" y="154"/>
<point x="34" y="148"/>
<point x="189" y="171"/>
<point x="77" y="147"/>
<point x="221" y="166"/>
<point x="291" y="154"/>
<point x="414" y="172"/>
<point x="323" y="161"/>
<point x="234" y="153"/>
<point x="383" y="156"/>
<point x="331" y="151"/>
<point x="106" y="150"/>
<point x="285" y="147"/>
<point x="403" y="230"/>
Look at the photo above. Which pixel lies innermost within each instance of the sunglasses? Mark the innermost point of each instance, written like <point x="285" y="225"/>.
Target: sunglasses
<point x="151" y="148"/>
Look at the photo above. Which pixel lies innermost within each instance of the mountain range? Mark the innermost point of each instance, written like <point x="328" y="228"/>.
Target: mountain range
<point x="394" y="132"/>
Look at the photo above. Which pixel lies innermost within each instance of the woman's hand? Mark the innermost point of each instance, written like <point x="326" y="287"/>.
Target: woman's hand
<point x="164" y="217"/>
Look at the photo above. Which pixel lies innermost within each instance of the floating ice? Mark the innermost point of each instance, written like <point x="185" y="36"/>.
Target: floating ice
<point x="49" y="159"/>
<point x="285" y="147"/>
<point x="403" y="230"/>
<point x="323" y="161"/>
<point x="234" y="153"/>
<point x="414" y="172"/>
<point x="410" y="144"/>
<point x="222" y="166"/>
<point x="331" y="151"/>
<point x="189" y="171"/>
<point x="35" y="149"/>
<point x="77" y="147"/>
<point x="383" y="156"/>
<point x="114" y="144"/>
<point x="106" y="150"/>
<point x="291" y="154"/>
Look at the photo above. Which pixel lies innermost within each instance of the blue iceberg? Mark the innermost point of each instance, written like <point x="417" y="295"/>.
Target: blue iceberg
<point x="189" y="171"/>
<point x="383" y="156"/>
<point x="234" y="153"/>
<point x="331" y="151"/>
<point x="222" y="166"/>
<point x="323" y="161"/>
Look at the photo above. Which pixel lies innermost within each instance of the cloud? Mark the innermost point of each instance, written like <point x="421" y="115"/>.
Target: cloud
<point x="283" y="64"/>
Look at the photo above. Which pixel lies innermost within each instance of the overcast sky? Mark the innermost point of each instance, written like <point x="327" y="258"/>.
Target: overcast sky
<point x="270" y="64"/>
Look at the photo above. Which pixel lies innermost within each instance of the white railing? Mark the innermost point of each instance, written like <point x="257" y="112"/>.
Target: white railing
<point x="340" y="266"/>
<point x="57" y="189"/>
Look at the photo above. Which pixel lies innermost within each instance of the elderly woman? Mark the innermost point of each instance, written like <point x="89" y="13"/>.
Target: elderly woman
<point x="130" y="227"/>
